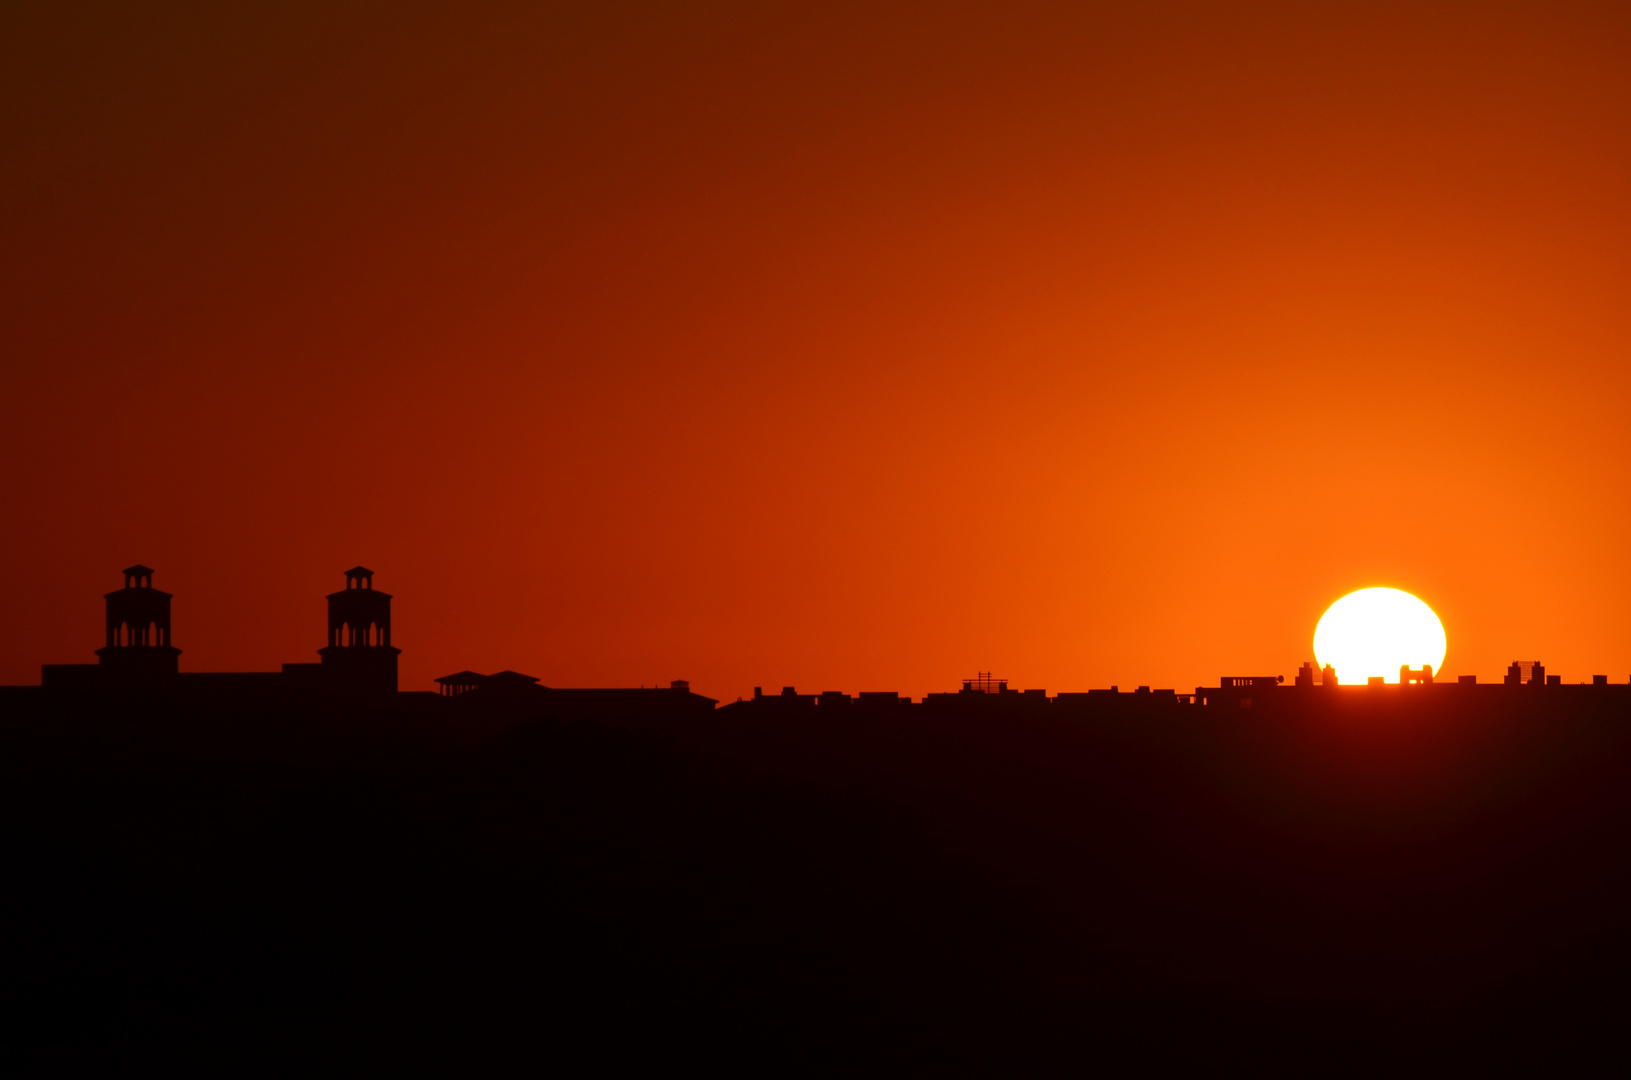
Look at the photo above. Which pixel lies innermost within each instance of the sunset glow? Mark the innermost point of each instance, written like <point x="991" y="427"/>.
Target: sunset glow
<point x="1375" y="632"/>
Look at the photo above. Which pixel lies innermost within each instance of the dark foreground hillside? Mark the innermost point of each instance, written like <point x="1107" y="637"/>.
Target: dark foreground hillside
<point x="1344" y="886"/>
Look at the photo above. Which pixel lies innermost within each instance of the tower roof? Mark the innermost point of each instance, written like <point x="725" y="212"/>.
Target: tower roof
<point x="359" y="571"/>
<point x="138" y="571"/>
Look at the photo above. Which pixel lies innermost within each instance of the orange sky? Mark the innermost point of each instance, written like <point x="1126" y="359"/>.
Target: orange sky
<point x="819" y="345"/>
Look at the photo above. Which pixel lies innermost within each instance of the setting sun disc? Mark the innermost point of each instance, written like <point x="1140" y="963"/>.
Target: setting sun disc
<point x="1375" y="632"/>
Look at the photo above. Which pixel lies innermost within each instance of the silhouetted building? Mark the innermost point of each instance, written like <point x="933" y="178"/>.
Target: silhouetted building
<point x="1309" y="675"/>
<point x="139" y="629"/>
<point x="983" y="683"/>
<point x="461" y="682"/>
<point x="1407" y="676"/>
<point x="1240" y="691"/>
<point x="512" y="694"/>
<point x="789" y="698"/>
<point x="1526" y="673"/>
<point x="138" y="651"/>
<point x="510" y="684"/>
<point x="359" y="654"/>
<point x="986" y="694"/>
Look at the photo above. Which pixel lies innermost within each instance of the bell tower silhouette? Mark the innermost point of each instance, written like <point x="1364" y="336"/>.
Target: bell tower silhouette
<point x="139" y="630"/>
<point x="359" y="653"/>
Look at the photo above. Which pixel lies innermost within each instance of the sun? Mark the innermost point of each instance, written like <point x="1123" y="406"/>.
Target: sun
<point x="1377" y="631"/>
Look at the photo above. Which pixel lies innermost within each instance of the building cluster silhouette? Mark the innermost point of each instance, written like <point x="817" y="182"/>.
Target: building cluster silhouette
<point x="358" y="660"/>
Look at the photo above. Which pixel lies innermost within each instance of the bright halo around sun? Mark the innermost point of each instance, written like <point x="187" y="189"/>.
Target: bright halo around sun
<point x="1376" y="632"/>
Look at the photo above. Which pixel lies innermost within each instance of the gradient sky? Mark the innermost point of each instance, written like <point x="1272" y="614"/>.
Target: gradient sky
<point x="819" y="344"/>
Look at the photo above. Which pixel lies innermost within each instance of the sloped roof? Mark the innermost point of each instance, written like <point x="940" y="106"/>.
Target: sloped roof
<point x="511" y="678"/>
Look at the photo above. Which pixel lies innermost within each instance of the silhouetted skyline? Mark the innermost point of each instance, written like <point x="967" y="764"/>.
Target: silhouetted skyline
<point x="358" y="657"/>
